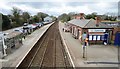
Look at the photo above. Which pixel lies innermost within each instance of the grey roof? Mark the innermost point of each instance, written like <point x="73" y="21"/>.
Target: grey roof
<point x="87" y="23"/>
<point x="78" y="22"/>
<point x="48" y="17"/>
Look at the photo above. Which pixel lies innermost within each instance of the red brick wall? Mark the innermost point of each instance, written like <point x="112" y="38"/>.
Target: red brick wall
<point x="114" y="32"/>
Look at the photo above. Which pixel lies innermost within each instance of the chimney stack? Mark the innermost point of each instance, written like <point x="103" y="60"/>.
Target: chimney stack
<point x="98" y="20"/>
<point x="82" y="16"/>
<point x="79" y="16"/>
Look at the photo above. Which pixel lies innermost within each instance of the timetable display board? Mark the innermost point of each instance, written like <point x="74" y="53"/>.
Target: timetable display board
<point x="96" y="37"/>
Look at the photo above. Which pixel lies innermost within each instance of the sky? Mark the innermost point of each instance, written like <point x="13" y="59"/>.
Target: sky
<point x="57" y="7"/>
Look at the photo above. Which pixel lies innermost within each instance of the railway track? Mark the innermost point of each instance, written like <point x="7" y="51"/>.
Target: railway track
<point x="48" y="52"/>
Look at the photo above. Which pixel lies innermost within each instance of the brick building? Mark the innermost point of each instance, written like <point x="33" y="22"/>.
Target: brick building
<point x="94" y="29"/>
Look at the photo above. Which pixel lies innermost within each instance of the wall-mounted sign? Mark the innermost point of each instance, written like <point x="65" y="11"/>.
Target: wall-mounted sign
<point x="96" y="30"/>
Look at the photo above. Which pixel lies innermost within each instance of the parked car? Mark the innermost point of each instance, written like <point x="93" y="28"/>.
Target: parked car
<point x="25" y="26"/>
<point x="35" y="26"/>
<point x="18" y="29"/>
<point x="41" y="23"/>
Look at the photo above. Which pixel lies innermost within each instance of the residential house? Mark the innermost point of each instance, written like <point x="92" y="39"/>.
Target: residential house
<point x="48" y="19"/>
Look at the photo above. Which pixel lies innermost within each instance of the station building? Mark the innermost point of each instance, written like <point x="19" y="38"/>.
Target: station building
<point x="96" y="31"/>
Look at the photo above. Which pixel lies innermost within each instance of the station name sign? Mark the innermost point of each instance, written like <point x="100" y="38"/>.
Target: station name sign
<point x="96" y="30"/>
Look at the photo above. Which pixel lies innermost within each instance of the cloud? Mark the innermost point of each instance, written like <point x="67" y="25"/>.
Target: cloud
<point x="26" y="8"/>
<point x="57" y="8"/>
<point x="60" y="0"/>
<point x="3" y="5"/>
<point x="5" y="9"/>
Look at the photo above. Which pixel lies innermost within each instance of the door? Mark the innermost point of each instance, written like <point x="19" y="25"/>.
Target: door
<point x="106" y="37"/>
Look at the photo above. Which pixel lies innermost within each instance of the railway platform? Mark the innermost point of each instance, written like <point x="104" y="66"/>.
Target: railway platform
<point x="16" y="57"/>
<point x="96" y="55"/>
<point x="47" y="53"/>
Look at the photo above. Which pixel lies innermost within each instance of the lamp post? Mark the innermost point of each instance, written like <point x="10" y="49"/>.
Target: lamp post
<point x="4" y="46"/>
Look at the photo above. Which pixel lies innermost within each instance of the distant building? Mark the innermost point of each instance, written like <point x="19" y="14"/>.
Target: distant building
<point x="48" y="19"/>
<point x="94" y="29"/>
<point x="112" y="23"/>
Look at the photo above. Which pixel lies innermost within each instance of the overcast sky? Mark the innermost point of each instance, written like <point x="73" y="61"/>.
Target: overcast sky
<point x="53" y="7"/>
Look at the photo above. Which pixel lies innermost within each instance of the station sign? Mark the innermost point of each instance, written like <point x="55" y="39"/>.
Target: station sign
<point x="96" y="30"/>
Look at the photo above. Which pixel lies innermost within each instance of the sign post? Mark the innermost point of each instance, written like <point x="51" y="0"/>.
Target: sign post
<point x="85" y="50"/>
<point x="84" y="36"/>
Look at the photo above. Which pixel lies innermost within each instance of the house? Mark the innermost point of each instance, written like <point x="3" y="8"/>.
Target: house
<point x="48" y="19"/>
<point x="94" y="29"/>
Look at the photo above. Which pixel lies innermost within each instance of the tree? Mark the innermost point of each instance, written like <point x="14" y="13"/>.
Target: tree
<point x="53" y="18"/>
<point x="89" y="16"/>
<point x="35" y="19"/>
<point x="25" y="16"/>
<point x="16" y="16"/>
<point x="6" y="24"/>
<point x="64" y="17"/>
<point x="41" y="15"/>
<point x="71" y="14"/>
<point x="92" y="15"/>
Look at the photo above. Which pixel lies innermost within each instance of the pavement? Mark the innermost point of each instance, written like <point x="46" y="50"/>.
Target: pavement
<point x="15" y="58"/>
<point x="96" y="55"/>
